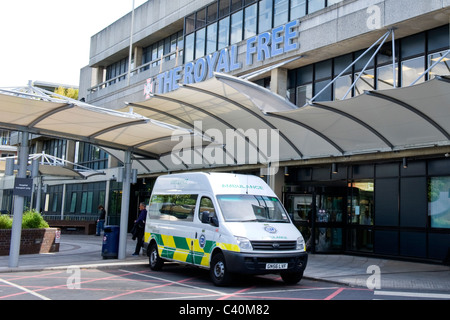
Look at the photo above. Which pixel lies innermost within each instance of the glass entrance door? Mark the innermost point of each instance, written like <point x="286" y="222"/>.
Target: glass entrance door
<point x="320" y="216"/>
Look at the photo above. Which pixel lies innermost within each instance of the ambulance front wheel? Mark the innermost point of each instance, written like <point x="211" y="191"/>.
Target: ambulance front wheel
<point x="291" y="278"/>
<point x="219" y="273"/>
<point x="155" y="261"/>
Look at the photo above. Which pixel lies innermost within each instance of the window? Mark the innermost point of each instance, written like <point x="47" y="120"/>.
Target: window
<point x="441" y="68"/>
<point x="252" y="208"/>
<point x="315" y="5"/>
<point x="211" y="38"/>
<point x="92" y="156"/>
<point x="224" y="33"/>
<point x="189" y="48"/>
<point x="362" y="203"/>
<point x="236" y="27"/>
<point x="206" y="206"/>
<point x="117" y="69"/>
<point x="173" y="207"/>
<point x="298" y="9"/>
<point x="439" y="202"/>
<point x="212" y="13"/>
<point x="265" y="16"/>
<point x="411" y="70"/>
<point x="224" y="8"/>
<point x="385" y="77"/>
<point x="280" y="12"/>
<point x="366" y="82"/>
<point x="250" y="21"/>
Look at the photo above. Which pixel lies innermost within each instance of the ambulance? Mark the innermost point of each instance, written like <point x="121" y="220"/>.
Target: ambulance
<point x="227" y="223"/>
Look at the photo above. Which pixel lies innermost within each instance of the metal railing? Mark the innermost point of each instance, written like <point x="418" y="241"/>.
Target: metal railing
<point x="142" y="68"/>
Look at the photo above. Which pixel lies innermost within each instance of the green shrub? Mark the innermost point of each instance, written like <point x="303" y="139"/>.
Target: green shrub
<point x="33" y="220"/>
<point x="5" y="222"/>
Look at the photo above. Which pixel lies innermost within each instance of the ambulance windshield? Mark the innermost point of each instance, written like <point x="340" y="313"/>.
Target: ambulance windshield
<point x="252" y="208"/>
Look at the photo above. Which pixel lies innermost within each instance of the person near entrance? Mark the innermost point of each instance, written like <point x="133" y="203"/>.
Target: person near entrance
<point x="101" y="219"/>
<point x="138" y="229"/>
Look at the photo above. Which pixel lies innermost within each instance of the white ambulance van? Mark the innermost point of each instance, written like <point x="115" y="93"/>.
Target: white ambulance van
<point x="227" y="223"/>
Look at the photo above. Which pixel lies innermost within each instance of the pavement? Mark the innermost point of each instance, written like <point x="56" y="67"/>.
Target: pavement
<point x="84" y="251"/>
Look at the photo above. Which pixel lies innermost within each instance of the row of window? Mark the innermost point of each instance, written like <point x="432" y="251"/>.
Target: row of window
<point x="81" y="199"/>
<point x="278" y="11"/>
<point x="226" y="23"/>
<point x="414" y="55"/>
<point x="223" y="23"/>
<point x="92" y="156"/>
<point x="168" y="48"/>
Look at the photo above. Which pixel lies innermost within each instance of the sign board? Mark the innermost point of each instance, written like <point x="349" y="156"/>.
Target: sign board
<point x="23" y="187"/>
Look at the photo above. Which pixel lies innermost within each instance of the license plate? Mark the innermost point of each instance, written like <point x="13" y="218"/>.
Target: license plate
<point x="276" y="266"/>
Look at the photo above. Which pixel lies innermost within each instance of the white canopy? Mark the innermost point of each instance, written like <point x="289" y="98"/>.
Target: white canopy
<point x="226" y="121"/>
<point x="70" y="119"/>
<point x="376" y="121"/>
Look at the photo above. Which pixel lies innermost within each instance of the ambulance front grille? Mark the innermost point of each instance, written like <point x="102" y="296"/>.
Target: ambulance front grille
<point x="274" y="245"/>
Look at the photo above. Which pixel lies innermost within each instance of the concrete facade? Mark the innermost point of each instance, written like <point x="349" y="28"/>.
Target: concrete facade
<point x="345" y="27"/>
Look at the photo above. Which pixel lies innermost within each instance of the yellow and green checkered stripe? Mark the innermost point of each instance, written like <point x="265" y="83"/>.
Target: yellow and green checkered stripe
<point x="178" y="248"/>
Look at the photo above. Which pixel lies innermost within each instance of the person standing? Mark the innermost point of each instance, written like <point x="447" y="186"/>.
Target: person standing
<point x="101" y="219"/>
<point x="139" y="228"/>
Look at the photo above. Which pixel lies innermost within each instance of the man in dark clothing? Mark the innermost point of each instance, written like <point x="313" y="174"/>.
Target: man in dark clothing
<point x="139" y="228"/>
<point x="101" y="219"/>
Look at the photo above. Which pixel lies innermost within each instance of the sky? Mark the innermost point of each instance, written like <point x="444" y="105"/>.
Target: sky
<point x="48" y="40"/>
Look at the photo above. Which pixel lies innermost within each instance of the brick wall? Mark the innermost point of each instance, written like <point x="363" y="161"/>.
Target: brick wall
<point x="32" y="241"/>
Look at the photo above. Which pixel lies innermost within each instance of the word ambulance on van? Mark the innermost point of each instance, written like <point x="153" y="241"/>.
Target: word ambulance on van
<point x="227" y="223"/>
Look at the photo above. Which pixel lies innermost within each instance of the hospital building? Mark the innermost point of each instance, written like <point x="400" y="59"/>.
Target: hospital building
<point x="342" y="106"/>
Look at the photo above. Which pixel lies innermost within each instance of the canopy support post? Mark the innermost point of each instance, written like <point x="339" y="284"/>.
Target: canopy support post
<point x="16" y="231"/>
<point x="124" y="213"/>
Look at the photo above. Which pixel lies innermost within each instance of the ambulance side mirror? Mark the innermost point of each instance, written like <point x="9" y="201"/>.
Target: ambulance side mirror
<point x="210" y="218"/>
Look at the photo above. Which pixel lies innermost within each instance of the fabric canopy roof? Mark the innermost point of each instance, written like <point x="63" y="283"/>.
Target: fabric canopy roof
<point x="227" y="121"/>
<point x="71" y="119"/>
<point x="376" y="121"/>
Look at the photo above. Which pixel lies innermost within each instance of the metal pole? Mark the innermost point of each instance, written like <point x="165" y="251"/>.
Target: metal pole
<point x="365" y="67"/>
<point x="126" y="187"/>
<point x="342" y="72"/>
<point x="16" y="231"/>
<point x="131" y="45"/>
<point x="394" y="71"/>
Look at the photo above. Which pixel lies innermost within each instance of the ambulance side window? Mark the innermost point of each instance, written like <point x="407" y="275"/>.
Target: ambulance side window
<point x="206" y="208"/>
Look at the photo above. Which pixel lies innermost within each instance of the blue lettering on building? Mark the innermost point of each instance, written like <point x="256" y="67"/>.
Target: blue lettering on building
<point x="263" y="46"/>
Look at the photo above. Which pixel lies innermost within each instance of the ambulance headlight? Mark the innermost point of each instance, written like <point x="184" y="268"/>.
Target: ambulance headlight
<point x="244" y="243"/>
<point x="300" y="243"/>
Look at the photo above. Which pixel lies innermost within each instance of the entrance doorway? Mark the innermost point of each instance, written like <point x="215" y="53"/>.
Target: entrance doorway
<point x="320" y="214"/>
<point x="335" y="217"/>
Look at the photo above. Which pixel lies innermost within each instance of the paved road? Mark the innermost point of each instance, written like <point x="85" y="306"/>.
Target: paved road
<point x="177" y="283"/>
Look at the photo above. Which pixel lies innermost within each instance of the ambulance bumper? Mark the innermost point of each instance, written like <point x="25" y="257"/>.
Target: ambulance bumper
<point x="262" y="263"/>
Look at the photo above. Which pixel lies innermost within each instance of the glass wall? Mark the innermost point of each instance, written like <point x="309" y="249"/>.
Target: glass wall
<point x="439" y="202"/>
<point x="414" y="55"/>
<point x="82" y="200"/>
<point x="379" y="208"/>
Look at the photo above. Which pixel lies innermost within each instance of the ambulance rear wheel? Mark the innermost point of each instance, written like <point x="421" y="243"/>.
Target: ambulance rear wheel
<point x="218" y="271"/>
<point x="155" y="261"/>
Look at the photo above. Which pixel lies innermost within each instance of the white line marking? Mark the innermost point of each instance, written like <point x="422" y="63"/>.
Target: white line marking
<point x="412" y="294"/>
<point x="40" y="296"/>
<point x="176" y="283"/>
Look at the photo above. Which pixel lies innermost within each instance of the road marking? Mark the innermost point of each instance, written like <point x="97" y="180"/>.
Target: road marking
<point x="412" y="294"/>
<point x="40" y="296"/>
<point x="177" y="283"/>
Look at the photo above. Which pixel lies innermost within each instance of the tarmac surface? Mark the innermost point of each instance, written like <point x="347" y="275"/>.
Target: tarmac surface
<point x="84" y="251"/>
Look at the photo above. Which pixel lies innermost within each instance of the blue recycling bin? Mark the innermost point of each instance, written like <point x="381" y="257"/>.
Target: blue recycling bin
<point x="110" y="247"/>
